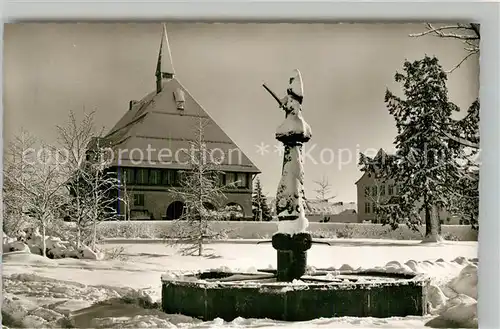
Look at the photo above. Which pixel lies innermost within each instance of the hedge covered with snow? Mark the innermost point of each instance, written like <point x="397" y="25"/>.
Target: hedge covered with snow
<point x="263" y="230"/>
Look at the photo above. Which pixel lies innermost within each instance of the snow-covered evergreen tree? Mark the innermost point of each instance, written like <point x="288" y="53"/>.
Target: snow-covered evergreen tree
<point x="465" y="191"/>
<point x="426" y="162"/>
<point x="200" y="190"/>
<point x="260" y="207"/>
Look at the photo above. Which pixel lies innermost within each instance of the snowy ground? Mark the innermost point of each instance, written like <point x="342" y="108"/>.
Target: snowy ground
<point x="44" y="291"/>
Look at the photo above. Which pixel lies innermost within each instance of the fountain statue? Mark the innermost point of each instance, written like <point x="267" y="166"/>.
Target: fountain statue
<point x="292" y="240"/>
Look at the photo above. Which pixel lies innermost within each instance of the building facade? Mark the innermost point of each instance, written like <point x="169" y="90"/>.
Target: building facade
<point x="372" y="191"/>
<point x="151" y="144"/>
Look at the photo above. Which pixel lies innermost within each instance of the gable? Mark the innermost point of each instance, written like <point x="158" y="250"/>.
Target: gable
<point x="362" y="178"/>
<point x="155" y="122"/>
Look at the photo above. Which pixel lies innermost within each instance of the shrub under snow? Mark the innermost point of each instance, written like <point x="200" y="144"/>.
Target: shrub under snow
<point x="55" y="247"/>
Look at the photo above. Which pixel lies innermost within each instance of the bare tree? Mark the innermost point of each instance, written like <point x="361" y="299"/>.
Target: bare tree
<point x="92" y="187"/>
<point x="73" y="141"/>
<point x="102" y="185"/>
<point x="469" y="34"/>
<point x="200" y="188"/>
<point x="324" y="189"/>
<point x="126" y="198"/>
<point x="36" y="186"/>
<point x="16" y="172"/>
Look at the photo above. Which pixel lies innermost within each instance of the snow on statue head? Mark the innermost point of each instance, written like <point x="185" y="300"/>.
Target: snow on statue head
<point x="294" y="128"/>
<point x="293" y="133"/>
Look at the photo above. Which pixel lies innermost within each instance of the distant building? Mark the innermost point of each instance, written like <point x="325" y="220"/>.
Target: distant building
<point x="164" y="121"/>
<point x="325" y="211"/>
<point x="371" y="191"/>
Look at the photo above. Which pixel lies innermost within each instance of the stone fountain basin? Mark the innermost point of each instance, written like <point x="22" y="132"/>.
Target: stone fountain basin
<point x="228" y="295"/>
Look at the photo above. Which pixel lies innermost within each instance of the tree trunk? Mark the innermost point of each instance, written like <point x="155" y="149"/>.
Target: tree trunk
<point x="427" y="217"/>
<point x="94" y="235"/>
<point x="200" y="236"/>
<point x="78" y="236"/>
<point x="200" y="246"/>
<point x="44" y="243"/>
<point x="432" y="224"/>
<point x="78" y="221"/>
<point x="439" y="223"/>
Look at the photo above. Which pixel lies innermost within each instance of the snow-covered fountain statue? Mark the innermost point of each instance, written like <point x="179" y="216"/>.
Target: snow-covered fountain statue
<point x="292" y="240"/>
<point x="293" y="291"/>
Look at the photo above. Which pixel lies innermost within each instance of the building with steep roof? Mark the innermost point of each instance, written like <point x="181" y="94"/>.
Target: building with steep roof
<point x="150" y="143"/>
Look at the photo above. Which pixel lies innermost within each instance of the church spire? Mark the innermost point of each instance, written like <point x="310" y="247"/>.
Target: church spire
<point x="164" y="66"/>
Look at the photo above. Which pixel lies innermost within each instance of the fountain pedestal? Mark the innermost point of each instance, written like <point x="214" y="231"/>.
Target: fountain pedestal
<point x="291" y="255"/>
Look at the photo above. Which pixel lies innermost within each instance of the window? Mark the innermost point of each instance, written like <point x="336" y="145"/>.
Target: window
<point x="179" y="176"/>
<point x="168" y="177"/>
<point x="390" y="189"/>
<point x="374" y="191"/>
<point x="242" y="181"/>
<point x="367" y="190"/>
<point x="222" y="179"/>
<point x="128" y="176"/>
<point x="139" y="200"/>
<point x="142" y="176"/>
<point x="230" y="178"/>
<point x="155" y="177"/>
<point x="180" y="98"/>
<point x="382" y="190"/>
<point x="367" y="207"/>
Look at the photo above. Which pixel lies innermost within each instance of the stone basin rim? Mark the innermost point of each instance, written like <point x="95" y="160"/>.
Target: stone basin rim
<point x="400" y="279"/>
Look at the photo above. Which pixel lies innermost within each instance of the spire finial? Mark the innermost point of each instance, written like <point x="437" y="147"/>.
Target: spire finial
<point x="164" y="65"/>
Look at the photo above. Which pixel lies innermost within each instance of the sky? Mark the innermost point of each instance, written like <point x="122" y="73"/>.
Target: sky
<point x="51" y="69"/>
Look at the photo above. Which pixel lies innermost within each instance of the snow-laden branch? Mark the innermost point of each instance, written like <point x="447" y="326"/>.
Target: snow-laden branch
<point x="461" y="141"/>
<point x="442" y="31"/>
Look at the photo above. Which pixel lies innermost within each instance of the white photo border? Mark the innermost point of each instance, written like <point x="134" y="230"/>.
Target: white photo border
<point x="485" y="13"/>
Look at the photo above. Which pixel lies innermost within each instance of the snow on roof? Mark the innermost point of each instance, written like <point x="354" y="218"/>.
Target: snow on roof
<point x="156" y="121"/>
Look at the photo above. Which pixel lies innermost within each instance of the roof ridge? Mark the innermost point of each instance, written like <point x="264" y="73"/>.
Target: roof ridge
<point x="183" y="139"/>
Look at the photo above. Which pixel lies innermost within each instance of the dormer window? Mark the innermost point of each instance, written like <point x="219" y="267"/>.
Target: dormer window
<point x="179" y="98"/>
<point x="132" y="103"/>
